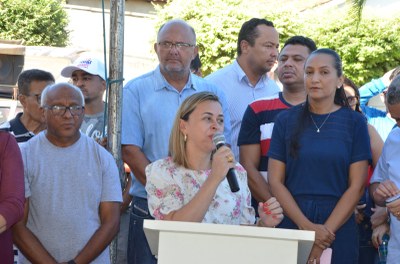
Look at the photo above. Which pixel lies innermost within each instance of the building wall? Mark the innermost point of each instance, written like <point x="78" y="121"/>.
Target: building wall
<point x="86" y="35"/>
<point x="86" y="25"/>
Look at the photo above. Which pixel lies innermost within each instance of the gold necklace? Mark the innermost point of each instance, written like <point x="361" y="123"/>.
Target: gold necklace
<point x="323" y="123"/>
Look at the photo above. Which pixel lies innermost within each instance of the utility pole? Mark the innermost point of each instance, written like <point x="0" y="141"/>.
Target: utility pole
<point x="115" y="85"/>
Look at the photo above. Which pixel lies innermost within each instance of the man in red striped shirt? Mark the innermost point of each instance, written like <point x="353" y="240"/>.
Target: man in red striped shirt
<point x="258" y="120"/>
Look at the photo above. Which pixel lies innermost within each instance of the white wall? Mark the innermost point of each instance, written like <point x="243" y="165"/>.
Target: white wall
<point x="86" y="34"/>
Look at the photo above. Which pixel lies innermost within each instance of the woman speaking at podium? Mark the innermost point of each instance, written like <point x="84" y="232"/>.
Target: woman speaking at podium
<point x="190" y="184"/>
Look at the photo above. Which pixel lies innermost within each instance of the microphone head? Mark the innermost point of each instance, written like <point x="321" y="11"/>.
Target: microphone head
<point x="219" y="139"/>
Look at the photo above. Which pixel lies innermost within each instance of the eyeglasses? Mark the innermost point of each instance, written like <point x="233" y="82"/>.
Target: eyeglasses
<point x="178" y="45"/>
<point x="38" y="97"/>
<point x="59" y="110"/>
<point x="352" y="100"/>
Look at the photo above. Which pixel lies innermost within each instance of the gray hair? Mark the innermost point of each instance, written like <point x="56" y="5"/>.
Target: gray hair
<point x="55" y="86"/>
<point x="181" y="22"/>
<point x="393" y="93"/>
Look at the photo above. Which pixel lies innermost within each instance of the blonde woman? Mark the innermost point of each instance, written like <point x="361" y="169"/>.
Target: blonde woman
<point x="191" y="185"/>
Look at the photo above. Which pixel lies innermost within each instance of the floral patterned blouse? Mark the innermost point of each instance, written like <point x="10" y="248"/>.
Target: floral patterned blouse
<point x="169" y="187"/>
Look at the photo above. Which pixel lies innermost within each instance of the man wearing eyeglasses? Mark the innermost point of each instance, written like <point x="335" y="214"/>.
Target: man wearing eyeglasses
<point x="30" y="122"/>
<point x="87" y="72"/>
<point x="150" y="103"/>
<point x="72" y="188"/>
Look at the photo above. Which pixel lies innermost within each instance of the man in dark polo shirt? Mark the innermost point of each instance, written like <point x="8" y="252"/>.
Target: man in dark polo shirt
<point x="25" y="125"/>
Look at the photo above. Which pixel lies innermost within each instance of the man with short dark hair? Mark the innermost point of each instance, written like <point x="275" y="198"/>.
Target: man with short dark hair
<point x="385" y="182"/>
<point x="28" y="123"/>
<point x="245" y="80"/>
<point x="258" y="120"/>
<point x="71" y="185"/>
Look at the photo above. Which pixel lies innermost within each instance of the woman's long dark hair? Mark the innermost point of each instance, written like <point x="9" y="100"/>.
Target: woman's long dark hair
<point x="304" y="115"/>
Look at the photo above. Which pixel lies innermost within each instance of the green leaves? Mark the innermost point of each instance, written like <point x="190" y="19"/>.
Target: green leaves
<point x="367" y="50"/>
<point x="37" y="22"/>
<point x="356" y="9"/>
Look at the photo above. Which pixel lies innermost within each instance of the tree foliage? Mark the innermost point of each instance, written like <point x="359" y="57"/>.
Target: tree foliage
<point x="356" y="9"/>
<point x="37" y="22"/>
<point x="367" y="50"/>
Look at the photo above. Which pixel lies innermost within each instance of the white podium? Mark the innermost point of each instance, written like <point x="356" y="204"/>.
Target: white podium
<point x="197" y="243"/>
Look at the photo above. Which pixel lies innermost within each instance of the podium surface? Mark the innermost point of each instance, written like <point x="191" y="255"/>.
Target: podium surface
<point x="176" y="242"/>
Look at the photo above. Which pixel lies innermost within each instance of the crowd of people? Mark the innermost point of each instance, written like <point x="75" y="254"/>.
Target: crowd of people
<point x="311" y="155"/>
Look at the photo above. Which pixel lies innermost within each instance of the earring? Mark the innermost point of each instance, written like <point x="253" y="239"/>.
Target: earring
<point x="184" y="137"/>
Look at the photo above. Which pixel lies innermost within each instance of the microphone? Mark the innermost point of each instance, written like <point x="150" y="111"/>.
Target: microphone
<point x="219" y="141"/>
